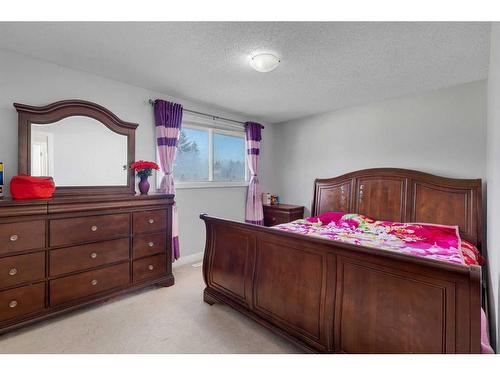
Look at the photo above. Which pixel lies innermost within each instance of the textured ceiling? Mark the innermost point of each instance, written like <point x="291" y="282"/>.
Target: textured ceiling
<point x="325" y="66"/>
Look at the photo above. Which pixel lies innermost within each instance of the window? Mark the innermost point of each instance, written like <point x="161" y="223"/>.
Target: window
<point x="209" y="156"/>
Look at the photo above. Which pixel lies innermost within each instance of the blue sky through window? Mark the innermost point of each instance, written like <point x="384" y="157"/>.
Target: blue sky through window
<point x="198" y="136"/>
<point x="229" y="158"/>
<point x="228" y="147"/>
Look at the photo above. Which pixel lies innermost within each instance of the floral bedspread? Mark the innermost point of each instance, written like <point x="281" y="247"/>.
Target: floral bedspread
<point x="432" y="241"/>
<point x="425" y="240"/>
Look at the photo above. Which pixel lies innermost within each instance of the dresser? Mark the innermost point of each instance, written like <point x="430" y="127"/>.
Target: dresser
<point x="95" y="239"/>
<point x="61" y="254"/>
<point x="281" y="213"/>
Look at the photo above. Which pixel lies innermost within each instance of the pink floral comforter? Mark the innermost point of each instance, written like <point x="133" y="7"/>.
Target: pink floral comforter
<point x="425" y="240"/>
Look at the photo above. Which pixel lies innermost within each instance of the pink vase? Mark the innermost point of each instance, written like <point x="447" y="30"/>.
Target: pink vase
<point x="144" y="185"/>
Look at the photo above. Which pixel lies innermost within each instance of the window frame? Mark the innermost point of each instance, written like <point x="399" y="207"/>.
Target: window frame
<point x="212" y="127"/>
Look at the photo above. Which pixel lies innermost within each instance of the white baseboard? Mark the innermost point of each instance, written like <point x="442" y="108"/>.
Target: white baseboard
<point x="197" y="257"/>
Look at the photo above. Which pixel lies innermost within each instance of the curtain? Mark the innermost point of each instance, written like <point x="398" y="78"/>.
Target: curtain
<point x="253" y="213"/>
<point x="168" y="120"/>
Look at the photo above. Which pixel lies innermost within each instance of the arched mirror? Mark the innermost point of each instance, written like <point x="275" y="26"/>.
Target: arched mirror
<point x="82" y="145"/>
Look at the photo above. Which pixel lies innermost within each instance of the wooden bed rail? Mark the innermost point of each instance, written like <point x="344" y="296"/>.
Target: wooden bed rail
<point x="333" y="297"/>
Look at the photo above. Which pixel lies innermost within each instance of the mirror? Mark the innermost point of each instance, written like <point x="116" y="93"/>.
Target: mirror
<point x="79" y="151"/>
<point x="85" y="147"/>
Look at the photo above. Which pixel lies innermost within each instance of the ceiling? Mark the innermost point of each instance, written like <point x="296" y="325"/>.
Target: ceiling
<point x="325" y="66"/>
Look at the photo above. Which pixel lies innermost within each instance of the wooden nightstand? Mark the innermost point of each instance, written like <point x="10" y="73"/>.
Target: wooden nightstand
<point x="281" y="213"/>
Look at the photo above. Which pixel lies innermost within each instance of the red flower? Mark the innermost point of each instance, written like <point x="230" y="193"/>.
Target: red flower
<point x="144" y="165"/>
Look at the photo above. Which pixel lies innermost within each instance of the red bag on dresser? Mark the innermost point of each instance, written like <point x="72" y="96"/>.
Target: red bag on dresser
<point x="29" y="187"/>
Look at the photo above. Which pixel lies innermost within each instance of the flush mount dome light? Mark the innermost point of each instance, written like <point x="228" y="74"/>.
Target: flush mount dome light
<point x="264" y="62"/>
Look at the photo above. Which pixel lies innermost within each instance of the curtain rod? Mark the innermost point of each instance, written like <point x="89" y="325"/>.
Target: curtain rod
<point x="152" y="102"/>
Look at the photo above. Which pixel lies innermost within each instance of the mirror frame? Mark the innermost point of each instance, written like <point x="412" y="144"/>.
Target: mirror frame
<point x="57" y="111"/>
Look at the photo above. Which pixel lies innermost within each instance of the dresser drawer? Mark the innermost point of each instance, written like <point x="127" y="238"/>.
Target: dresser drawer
<point x="150" y="221"/>
<point x="148" y="244"/>
<point x="73" y="287"/>
<point x="274" y="218"/>
<point x="27" y="235"/>
<point x="21" y="269"/>
<point x="79" y="258"/>
<point x="149" y="268"/>
<point x="21" y="301"/>
<point x="89" y="228"/>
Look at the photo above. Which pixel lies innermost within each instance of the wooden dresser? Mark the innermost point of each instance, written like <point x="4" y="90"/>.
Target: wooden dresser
<point x="60" y="254"/>
<point x="281" y="213"/>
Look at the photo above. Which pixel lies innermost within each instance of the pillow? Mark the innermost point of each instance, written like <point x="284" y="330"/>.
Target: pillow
<point x="326" y="217"/>
<point x="354" y="221"/>
<point x="471" y="254"/>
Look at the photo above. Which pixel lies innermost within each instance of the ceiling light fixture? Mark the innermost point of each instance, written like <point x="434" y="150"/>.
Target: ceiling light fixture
<point x="264" y="62"/>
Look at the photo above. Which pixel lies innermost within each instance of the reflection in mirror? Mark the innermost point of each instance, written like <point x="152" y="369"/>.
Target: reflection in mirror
<point x="79" y="151"/>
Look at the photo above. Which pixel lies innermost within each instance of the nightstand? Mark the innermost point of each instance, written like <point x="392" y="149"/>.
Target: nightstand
<point x="281" y="213"/>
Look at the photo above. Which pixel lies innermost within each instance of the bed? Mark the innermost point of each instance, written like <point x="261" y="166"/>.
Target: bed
<point x="333" y="297"/>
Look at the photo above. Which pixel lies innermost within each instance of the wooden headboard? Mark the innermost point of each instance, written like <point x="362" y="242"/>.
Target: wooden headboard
<point x="404" y="195"/>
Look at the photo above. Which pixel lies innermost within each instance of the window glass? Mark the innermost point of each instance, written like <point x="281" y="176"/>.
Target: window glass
<point x="191" y="163"/>
<point x="229" y="158"/>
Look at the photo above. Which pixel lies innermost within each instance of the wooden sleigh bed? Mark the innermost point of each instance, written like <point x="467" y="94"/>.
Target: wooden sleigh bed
<point x="333" y="297"/>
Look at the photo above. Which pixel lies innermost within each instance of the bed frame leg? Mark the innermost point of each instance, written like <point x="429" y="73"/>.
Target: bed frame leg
<point x="208" y="298"/>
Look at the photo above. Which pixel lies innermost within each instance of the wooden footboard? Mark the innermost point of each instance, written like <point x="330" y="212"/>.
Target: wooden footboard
<point x="332" y="297"/>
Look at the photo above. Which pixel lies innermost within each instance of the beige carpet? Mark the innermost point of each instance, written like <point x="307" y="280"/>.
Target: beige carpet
<point x="159" y="320"/>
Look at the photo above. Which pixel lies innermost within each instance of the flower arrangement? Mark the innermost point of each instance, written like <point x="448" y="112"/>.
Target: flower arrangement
<point x="144" y="168"/>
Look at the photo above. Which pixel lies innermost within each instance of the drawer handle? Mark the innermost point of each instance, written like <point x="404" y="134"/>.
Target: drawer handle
<point x="93" y="228"/>
<point x="273" y="219"/>
<point x="13" y="271"/>
<point x="151" y="244"/>
<point x="12" y="304"/>
<point x="14" y="238"/>
<point x="93" y="255"/>
<point x="151" y="267"/>
<point x="93" y="282"/>
<point x="151" y="221"/>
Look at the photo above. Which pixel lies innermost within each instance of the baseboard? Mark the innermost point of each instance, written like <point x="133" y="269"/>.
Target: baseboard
<point x="197" y="257"/>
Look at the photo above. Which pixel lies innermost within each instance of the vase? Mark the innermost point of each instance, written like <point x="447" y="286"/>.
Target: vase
<point x="144" y="185"/>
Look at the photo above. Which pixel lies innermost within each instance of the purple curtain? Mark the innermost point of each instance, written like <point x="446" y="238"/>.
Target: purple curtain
<point x="253" y="213"/>
<point x="168" y="120"/>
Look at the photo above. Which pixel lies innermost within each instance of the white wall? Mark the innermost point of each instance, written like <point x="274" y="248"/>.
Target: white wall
<point x="440" y="132"/>
<point x="35" y="82"/>
<point x="493" y="172"/>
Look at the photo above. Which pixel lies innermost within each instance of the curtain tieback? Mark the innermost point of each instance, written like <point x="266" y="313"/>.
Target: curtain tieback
<point x="168" y="174"/>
